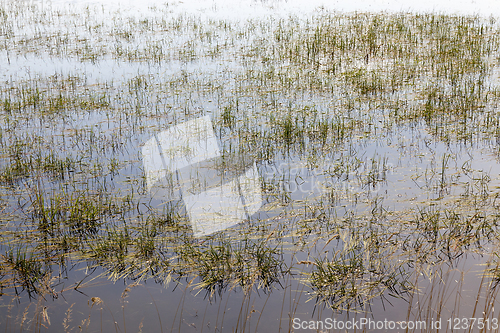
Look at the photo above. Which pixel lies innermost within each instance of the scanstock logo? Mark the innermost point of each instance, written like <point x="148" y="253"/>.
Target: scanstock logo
<point x="180" y="155"/>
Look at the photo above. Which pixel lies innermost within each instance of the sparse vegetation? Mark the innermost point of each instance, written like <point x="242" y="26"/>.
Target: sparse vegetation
<point x="375" y="137"/>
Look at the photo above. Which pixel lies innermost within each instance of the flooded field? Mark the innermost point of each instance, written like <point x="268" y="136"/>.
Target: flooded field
<point x="172" y="171"/>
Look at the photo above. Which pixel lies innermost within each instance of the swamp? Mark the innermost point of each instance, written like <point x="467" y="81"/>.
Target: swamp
<point x="172" y="171"/>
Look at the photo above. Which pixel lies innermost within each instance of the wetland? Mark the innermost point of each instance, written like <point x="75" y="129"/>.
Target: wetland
<point x="362" y="151"/>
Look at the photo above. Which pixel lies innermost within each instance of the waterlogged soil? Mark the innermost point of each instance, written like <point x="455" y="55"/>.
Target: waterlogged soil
<point x="375" y="143"/>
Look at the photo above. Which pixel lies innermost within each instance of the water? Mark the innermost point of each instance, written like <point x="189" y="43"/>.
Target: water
<point x="333" y="183"/>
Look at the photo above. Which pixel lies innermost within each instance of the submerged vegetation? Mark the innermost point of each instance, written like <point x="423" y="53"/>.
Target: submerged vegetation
<point x="376" y="137"/>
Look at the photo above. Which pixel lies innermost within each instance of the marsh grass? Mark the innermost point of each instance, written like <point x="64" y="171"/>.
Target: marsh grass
<point x="385" y="111"/>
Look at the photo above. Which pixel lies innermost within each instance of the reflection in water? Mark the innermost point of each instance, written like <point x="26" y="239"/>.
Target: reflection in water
<point x="183" y="146"/>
